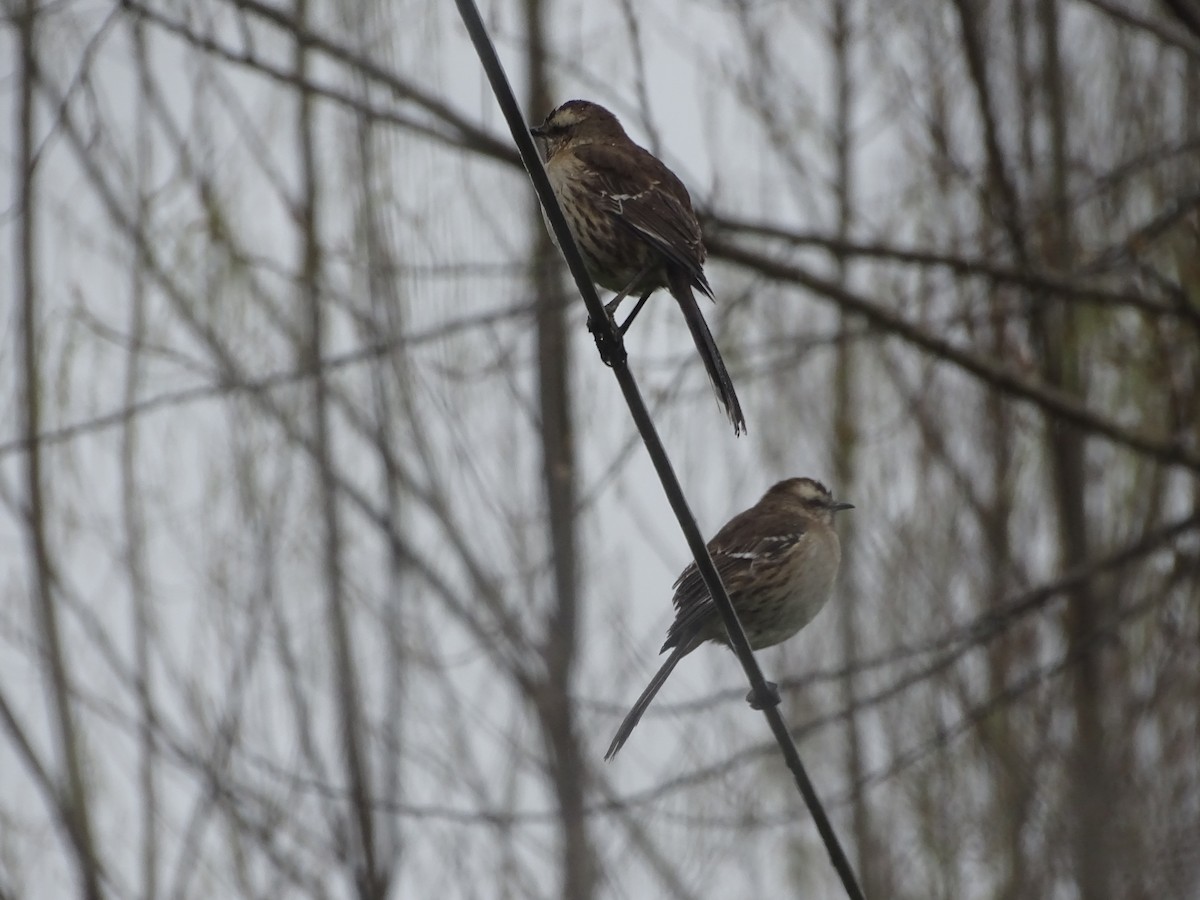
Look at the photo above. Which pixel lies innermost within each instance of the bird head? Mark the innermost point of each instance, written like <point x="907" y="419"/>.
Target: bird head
<point x="806" y="495"/>
<point x="576" y="122"/>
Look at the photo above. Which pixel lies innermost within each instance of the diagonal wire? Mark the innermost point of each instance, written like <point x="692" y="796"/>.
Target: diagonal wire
<point x="612" y="351"/>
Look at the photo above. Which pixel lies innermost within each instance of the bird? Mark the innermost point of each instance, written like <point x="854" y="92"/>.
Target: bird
<point x="633" y="221"/>
<point x="778" y="560"/>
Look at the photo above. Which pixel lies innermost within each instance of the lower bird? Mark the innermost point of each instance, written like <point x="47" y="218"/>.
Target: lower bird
<point x="778" y="560"/>
<point x="633" y="221"/>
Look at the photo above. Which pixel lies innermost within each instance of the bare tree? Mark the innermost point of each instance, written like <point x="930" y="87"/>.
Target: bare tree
<point x="340" y="560"/>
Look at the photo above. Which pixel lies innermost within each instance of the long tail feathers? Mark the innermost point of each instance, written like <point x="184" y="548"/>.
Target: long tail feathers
<point x="681" y="290"/>
<point x="635" y="714"/>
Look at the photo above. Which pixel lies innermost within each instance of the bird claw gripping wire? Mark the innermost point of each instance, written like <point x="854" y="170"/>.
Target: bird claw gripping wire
<point x="769" y="696"/>
<point x="608" y="341"/>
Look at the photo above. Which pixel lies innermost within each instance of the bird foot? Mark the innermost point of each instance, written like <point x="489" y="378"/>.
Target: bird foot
<point x="769" y="696"/>
<point x="608" y="340"/>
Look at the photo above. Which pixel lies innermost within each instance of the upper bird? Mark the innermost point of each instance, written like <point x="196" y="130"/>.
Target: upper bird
<point x="778" y="560"/>
<point x="633" y="221"/>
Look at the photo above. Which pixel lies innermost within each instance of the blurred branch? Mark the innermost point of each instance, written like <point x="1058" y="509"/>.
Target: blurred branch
<point x="999" y="188"/>
<point x="402" y="89"/>
<point x="1165" y="35"/>
<point x="1141" y="237"/>
<point x="71" y="801"/>
<point x="461" y="133"/>
<point x="142" y="613"/>
<point x="1188" y="13"/>
<point x="555" y="703"/>
<point x="1055" y="284"/>
<point x="222" y="387"/>
<point x="26" y="753"/>
<point x="998" y="376"/>
<point x="666" y="869"/>
<point x="1013" y="691"/>
<point x="230" y="372"/>
<point x="369" y="871"/>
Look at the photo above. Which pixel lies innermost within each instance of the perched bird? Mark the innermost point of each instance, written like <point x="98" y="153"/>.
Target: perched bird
<point x="778" y="560"/>
<point x="633" y="221"/>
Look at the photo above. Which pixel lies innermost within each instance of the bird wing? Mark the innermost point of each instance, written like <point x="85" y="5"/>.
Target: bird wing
<point x="647" y="198"/>
<point x="749" y="543"/>
<point x="694" y="607"/>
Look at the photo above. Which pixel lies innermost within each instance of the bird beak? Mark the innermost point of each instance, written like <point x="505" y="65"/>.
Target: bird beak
<point x="537" y="131"/>
<point x="840" y="505"/>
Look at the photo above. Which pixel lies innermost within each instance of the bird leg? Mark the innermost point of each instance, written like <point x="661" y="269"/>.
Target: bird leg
<point x="768" y="697"/>
<point x="611" y="306"/>
<point x="611" y="352"/>
<point x="624" y="326"/>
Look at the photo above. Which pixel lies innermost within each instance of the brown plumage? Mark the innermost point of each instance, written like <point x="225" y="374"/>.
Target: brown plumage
<point x="778" y="561"/>
<point x="633" y="221"/>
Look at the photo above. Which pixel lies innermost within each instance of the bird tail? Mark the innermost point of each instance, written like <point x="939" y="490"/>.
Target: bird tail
<point x="681" y="290"/>
<point x="635" y="714"/>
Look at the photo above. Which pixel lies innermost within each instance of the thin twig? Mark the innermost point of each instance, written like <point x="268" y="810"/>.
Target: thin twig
<point x="1168" y="450"/>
